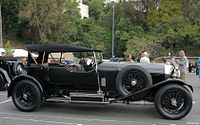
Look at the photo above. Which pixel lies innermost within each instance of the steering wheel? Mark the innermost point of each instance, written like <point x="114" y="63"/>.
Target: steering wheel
<point x="90" y="62"/>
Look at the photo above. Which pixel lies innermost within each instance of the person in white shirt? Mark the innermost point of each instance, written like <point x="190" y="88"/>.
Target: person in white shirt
<point x="145" y="59"/>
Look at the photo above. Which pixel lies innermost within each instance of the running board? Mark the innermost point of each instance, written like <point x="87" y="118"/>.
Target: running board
<point x="81" y="98"/>
<point x="86" y="97"/>
<point x="89" y="102"/>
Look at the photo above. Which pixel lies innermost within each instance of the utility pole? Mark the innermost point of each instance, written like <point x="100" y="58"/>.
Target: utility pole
<point x="113" y="29"/>
<point x="1" y="35"/>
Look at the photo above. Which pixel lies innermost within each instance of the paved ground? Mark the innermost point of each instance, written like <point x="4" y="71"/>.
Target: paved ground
<point x="115" y="114"/>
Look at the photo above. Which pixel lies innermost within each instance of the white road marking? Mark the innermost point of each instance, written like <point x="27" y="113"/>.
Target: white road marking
<point x="93" y="120"/>
<point x="5" y="101"/>
<point x="34" y="120"/>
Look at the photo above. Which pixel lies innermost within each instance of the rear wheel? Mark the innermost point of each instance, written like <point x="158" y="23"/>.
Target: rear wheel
<point x="132" y="79"/>
<point x="173" y="101"/>
<point x="26" y="96"/>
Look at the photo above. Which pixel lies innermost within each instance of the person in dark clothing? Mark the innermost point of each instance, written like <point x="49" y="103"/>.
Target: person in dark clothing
<point x="190" y="67"/>
<point x="141" y="55"/>
<point x="82" y="61"/>
<point x="196" y="67"/>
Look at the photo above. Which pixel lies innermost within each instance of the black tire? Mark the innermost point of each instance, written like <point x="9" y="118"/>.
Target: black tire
<point x="18" y="69"/>
<point x="2" y="83"/>
<point x="173" y="101"/>
<point x="26" y="96"/>
<point x="132" y="79"/>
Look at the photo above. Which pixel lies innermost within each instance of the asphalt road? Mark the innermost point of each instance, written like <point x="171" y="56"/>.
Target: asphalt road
<point x="114" y="114"/>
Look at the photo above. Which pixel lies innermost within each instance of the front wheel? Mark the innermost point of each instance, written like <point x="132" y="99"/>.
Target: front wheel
<point x="26" y="96"/>
<point x="173" y="101"/>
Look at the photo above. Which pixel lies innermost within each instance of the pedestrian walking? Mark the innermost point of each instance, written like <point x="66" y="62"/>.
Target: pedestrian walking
<point x="182" y="64"/>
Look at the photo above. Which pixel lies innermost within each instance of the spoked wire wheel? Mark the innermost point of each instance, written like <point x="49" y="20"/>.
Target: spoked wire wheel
<point x="26" y="96"/>
<point x="132" y="79"/>
<point x="173" y="101"/>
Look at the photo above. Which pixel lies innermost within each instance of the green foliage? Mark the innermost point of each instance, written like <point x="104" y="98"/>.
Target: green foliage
<point x="163" y="14"/>
<point x="10" y="19"/>
<point x="151" y="45"/>
<point x="50" y="20"/>
<point x="156" y="26"/>
<point x="96" y="7"/>
<point x="8" y="49"/>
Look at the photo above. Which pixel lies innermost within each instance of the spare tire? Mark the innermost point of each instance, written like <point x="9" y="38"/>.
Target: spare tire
<point x="132" y="79"/>
<point x="18" y="69"/>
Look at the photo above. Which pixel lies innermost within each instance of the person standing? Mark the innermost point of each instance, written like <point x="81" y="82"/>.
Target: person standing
<point x="141" y="55"/>
<point x="129" y="59"/>
<point x="182" y="64"/>
<point x="198" y="65"/>
<point x="190" y="67"/>
<point x="145" y="59"/>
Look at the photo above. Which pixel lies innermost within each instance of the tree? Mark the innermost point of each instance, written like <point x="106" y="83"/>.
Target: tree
<point x="10" y="10"/>
<point x="163" y="15"/>
<point x="151" y="45"/>
<point x="95" y="8"/>
<point x="51" y="20"/>
<point x="8" y="49"/>
<point x="181" y="33"/>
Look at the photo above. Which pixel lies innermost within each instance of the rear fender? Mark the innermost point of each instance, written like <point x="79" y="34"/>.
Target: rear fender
<point x="23" y="77"/>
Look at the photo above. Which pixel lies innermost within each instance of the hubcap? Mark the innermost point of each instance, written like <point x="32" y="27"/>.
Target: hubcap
<point x="133" y="83"/>
<point x="26" y="95"/>
<point x="174" y="102"/>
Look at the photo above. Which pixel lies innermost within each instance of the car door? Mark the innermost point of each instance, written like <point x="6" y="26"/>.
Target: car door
<point x="82" y="80"/>
<point x="63" y="74"/>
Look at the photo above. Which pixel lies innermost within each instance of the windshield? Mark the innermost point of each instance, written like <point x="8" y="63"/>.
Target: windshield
<point x="99" y="57"/>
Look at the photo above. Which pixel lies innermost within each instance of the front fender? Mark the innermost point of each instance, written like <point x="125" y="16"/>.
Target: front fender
<point x="22" y="77"/>
<point x="175" y="81"/>
<point x="141" y="94"/>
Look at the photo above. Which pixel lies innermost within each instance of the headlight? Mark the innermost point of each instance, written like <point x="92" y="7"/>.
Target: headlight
<point x="168" y="69"/>
<point x="176" y="73"/>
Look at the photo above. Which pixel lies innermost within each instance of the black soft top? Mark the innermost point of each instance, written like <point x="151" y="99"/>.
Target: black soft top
<point x="59" y="48"/>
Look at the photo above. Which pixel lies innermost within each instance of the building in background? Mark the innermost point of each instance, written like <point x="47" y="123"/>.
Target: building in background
<point x="84" y="9"/>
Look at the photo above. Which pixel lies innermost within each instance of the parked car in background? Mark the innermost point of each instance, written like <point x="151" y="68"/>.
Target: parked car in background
<point x="117" y="59"/>
<point x="9" y="68"/>
<point x="98" y="82"/>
